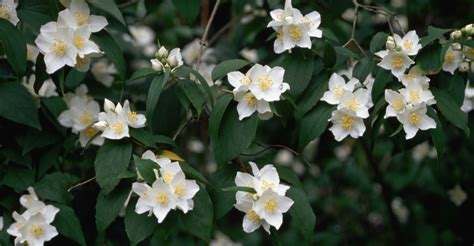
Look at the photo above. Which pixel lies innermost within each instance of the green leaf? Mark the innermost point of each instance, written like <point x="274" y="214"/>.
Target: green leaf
<point x="34" y="13"/>
<point x="138" y="226"/>
<point x="382" y="78"/>
<point x="298" y="72"/>
<point x="112" y="160"/>
<point x="18" y="178"/>
<point x="312" y="95"/>
<point x="223" y="201"/>
<point x="302" y="213"/>
<point x="67" y="224"/>
<point x="429" y="58"/>
<point x="363" y="68"/>
<point x="437" y="134"/>
<point x="289" y="176"/>
<point x="142" y="73"/>
<point x="225" y="67"/>
<point x="314" y="123"/>
<point x="239" y="188"/>
<point x="450" y="110"/>
<point x="14" y="46"/>
<point x="193" y="173"/>
<point x="108" y="207"/>
<point x="378" y="41"/>
<point x="74" y="78"/>
<point x="433" y="34"/>
<point x="185" y="72"/>
<point x="199" y="220"/>
<point x="154" y="93"/>
<point x="110" y="7"/>
<point x="229" y="135"/>
<point x="145" y="167"/>
<point x="193" y="93"/>
<point x="189" y="9"/>
<point x="18" y="105"/>
<point x="54" y="187"/>
<point x="143" y="135"/>
<point x="110" y="47"/>
<point x="329" y="56"/>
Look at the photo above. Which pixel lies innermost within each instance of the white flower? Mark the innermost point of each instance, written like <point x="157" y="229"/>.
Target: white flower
<point x="56" y="43"/>
<point x="205" y="70"/>
<point x="457" y="195"/>
<point x="8" y="11"/>
<point x="48" y="89"/>
<point x="400" y="210"/>
<point x="244" y="180"/>
<point x="415" y="94"/>
<point x="396" y="103"/>
<point x="191" y="52"/>
<point x="143" y="35"/>
<point x="87" y="134"/>
<point x="345" y="122"/>
<point x="409" y="44"/>
<point x="271" y="206"/>
<point x="251" y="220"/>
<point x="175" y="59"/>
<point x="81" y="12"/>
<point x="239" y="81"/>
<point x="267" y="178"/>
<point x="414" y="119"/>
<point x="337" y="87"/>
<point x="36" y="231"/>
<point x="144" y="203"/>
<point x="267" y="83"/>
<point x="248" y="104"/>
<point x="113" y="125"/>
<point x="169" y="171"/>
<point x="81" y="114"/>
<point x="314" y="19"/>
<point x="415" y="76"/>
<point x="468" y="103"/>
<point x="396" y="62"/>
<point x="133" y="119"/>
<point x="468" y="52"/>
<point x="156" y="65"/>
<point x="161" y="161"/>
<point x="103" y="72"/>
<point x="184" y="190"/>
<point x="452" y="58"/>
<point x="248" y="54"/>
<point x="83" y="64"/>
<point x="357" y="102"/>
<point x="284" y="16"/>
<point x="162" y="198"/>
<point x="32" y="53"/>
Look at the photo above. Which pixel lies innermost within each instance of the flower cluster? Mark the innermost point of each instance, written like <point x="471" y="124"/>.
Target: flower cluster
<point x="67" y="41"/>
<point x="171" y="60"/>
<point x="103" y="72"/>
<point x="114" y="122"/>
<point x="293" y="29"/>
<point x="265" y="207"/>
<point x="33" y="227"/>
<point x="8" y="11"/>
<point x="408" y="105"/>
<point x="170" y="191"/>
<point x="82" y="113"/>
<point x="47" y="89"/>
<point x="396" y="57"/>
<point x="460" y="56"/>
<point x="256" y="89"/>
<point x="353" y="104"/>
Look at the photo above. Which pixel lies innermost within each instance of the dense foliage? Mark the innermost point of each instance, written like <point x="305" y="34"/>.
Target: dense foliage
<point x="245" y="121"/>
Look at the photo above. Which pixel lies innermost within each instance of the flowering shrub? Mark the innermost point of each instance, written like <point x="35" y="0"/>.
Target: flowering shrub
<point x="129" y="122"/>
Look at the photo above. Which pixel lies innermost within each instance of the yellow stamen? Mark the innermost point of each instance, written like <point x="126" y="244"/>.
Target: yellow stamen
<point x="407" y="45"/>
<point x="252" y="216"/>
<point x="59" y="47"/>
<point x="81" y="19"/>
<point x="280" y="35"/>
<point x="397" y="62"/>
<point x="90" y="132"/>
<point x="250" y="99"/>
<point x="117" y="127"/>
<point x="398" y="104"/>
<point x="179" y="190"/>
<point x="295" y="33"/>
<point x="410" y="76"/>
<point x="167" y="177"/>
<point x="132" y="115"/>
<point x="414" y="119"/>
<point x="352" y="104"/>
<point x="4" y="12"/>
<point x="162" y="198"/>
<point x="347" y="122"/>
<point x="37" y="231"/>
<point x="266" y="185"/>
<point x="81" y="61"/>
<point x="270" y="206"/>
<point x="449" y="57"/>
<point x="86" y="118"/>
<point x="414" y="95"/>
<point x="245" y="80"/>
<point x="338" y="91"/>
<point x="79" y="42"/>
<point x="264" y="82"/>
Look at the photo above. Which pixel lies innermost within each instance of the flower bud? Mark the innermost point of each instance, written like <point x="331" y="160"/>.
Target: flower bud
<point x="162" y="52"/>
<point x="464" y="66"/>
<point x="156" y="65"/>
<point x="456" y="34"/>
<point x="390" y="44"/>
<point x="456" y="46"/>
<point x="173" y="61"/>
<point x="101" y="125"/>
<point x="108" y="105"/>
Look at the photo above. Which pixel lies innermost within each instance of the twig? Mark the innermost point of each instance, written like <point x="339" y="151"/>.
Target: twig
<point x="138" y="142"/>
<point x="80" y="184"/>
<point x="206" y="32"/>
<point x="181" y="128"/>
<point x="240" y="163"/>
<point x="354" y="24"/>
<point x="224" y="29"/>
